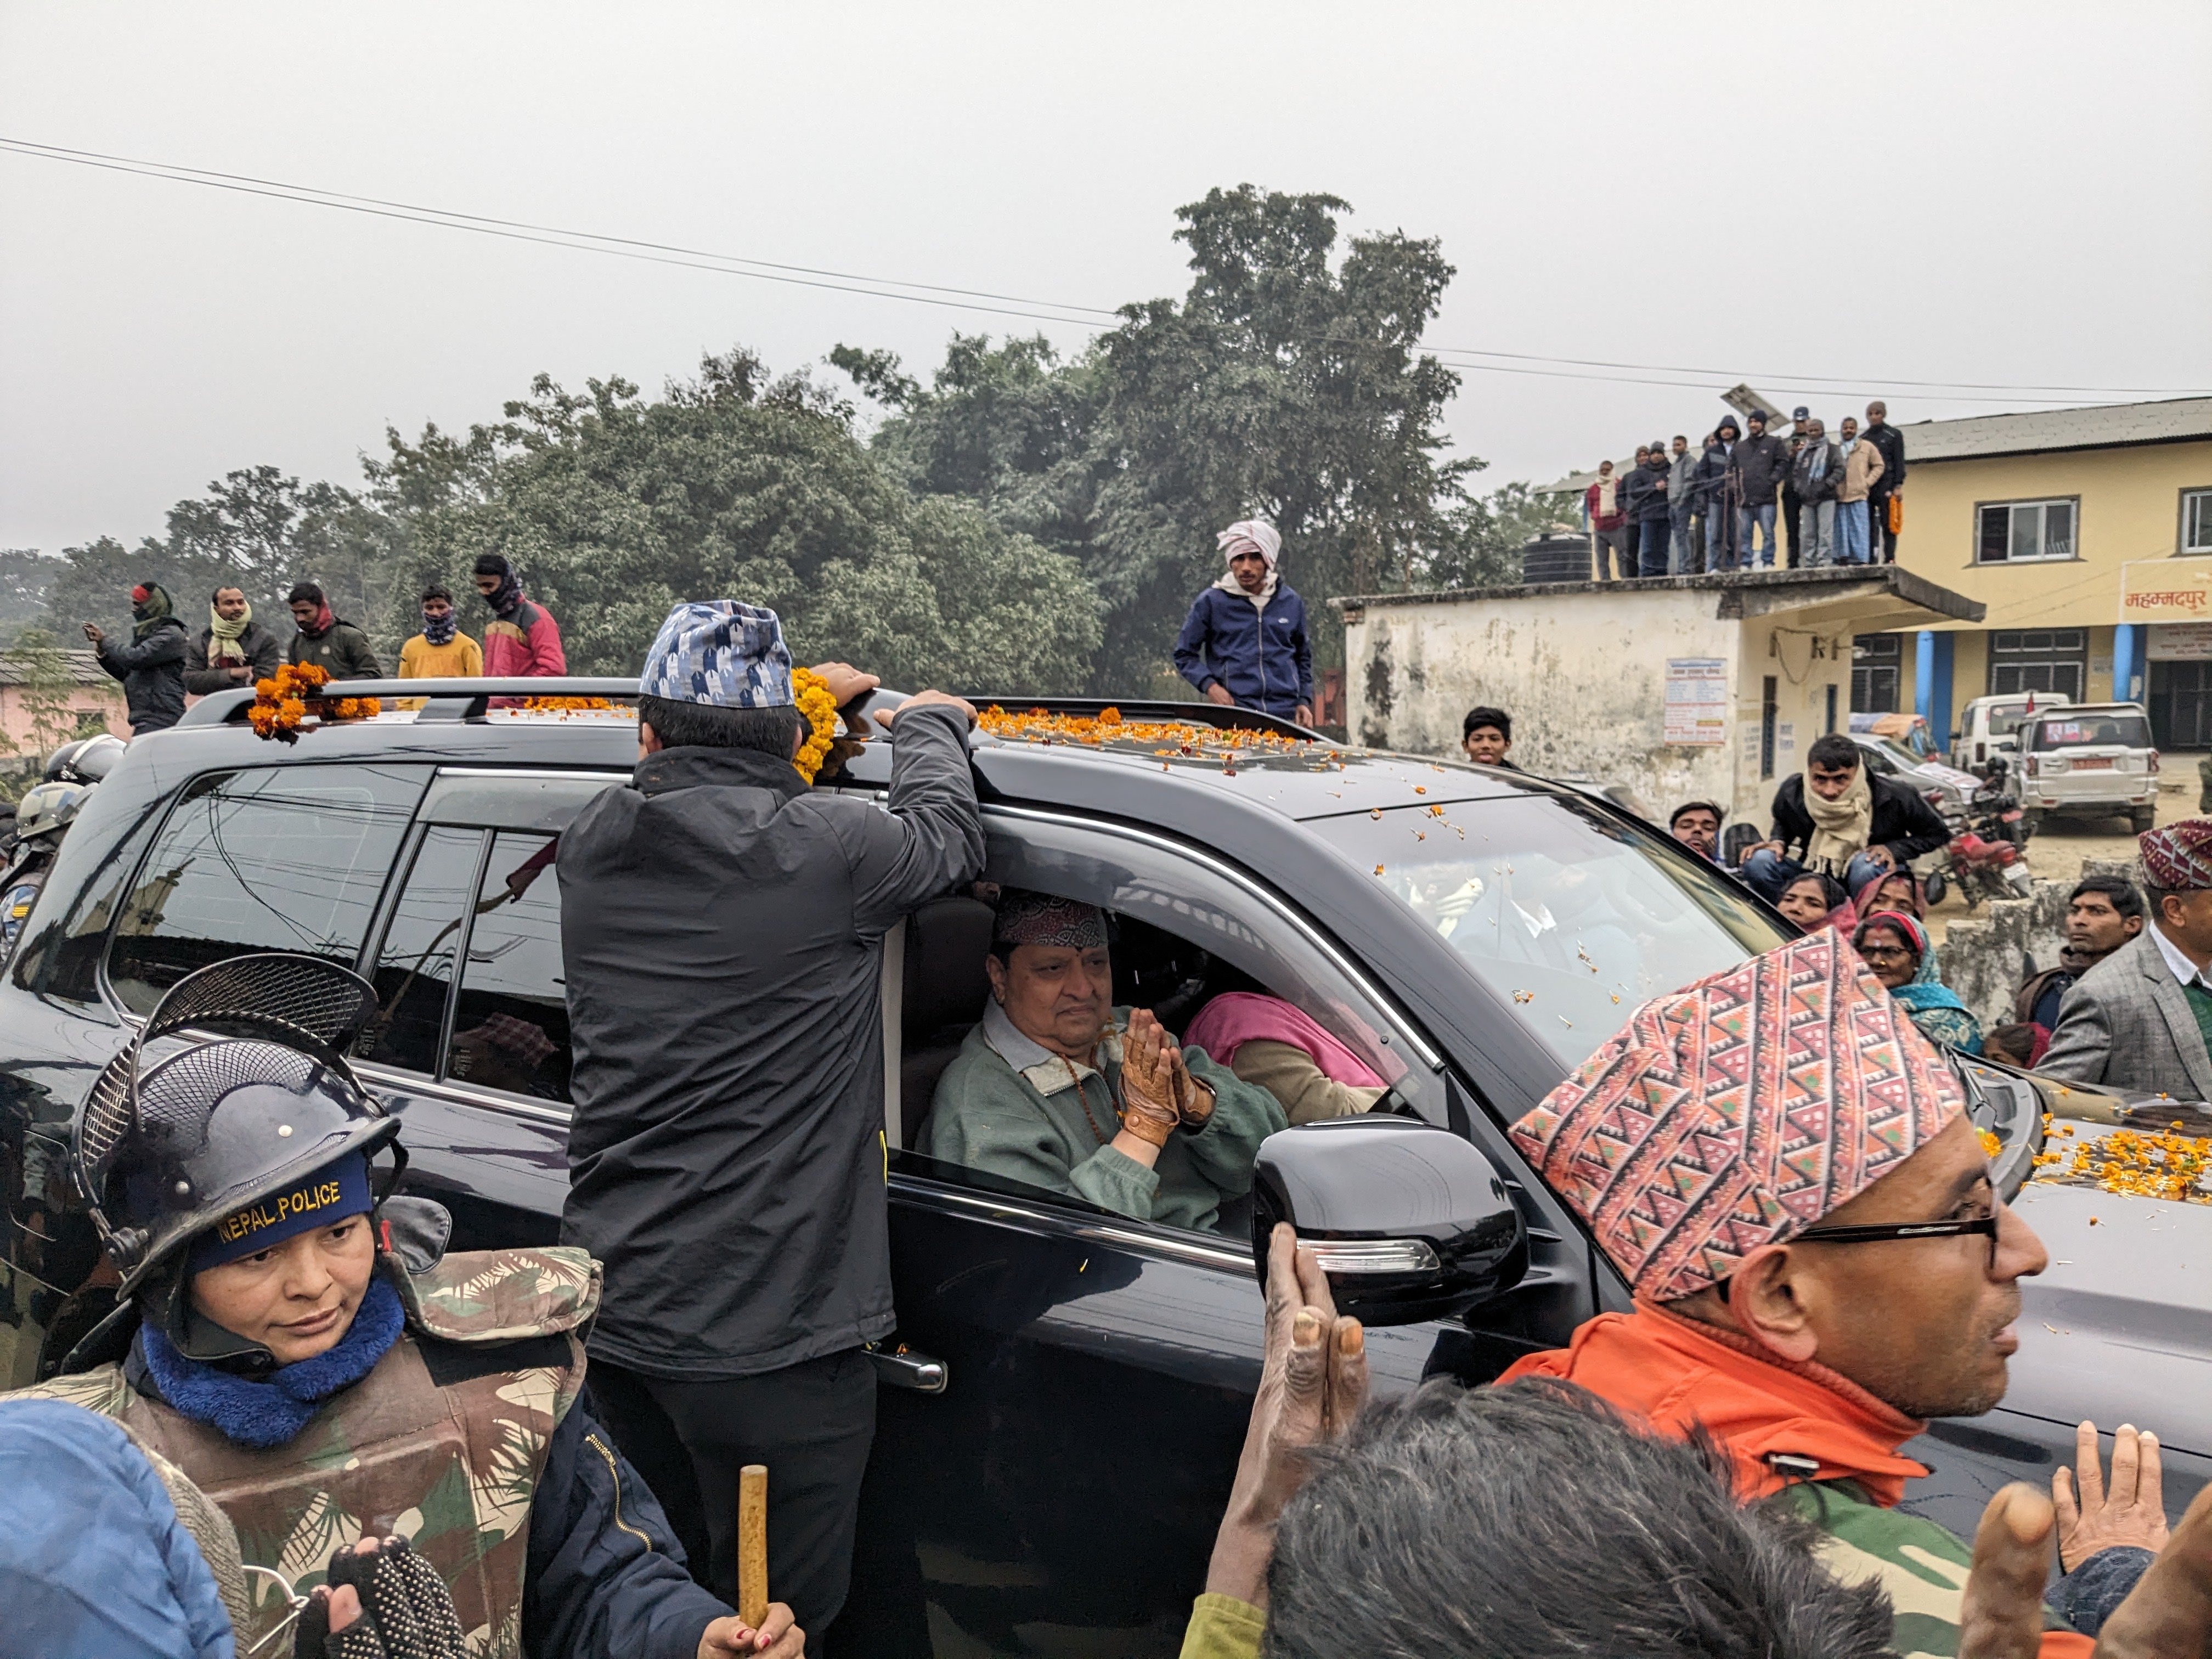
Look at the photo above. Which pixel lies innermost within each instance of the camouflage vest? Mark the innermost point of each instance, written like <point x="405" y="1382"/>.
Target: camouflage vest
<point x="1920" y="1565"/>
<point x="439" y="1442"/>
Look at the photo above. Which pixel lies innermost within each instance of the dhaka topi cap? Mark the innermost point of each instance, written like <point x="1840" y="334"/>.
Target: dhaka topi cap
<point x="1033" y="918"/>
<point x="721" y="651"/>
<point x="1251" y="536"/>
<point x="2178" y="858"/>
<point x="321" y="1199"/>
<point x="1738" y="1112"/>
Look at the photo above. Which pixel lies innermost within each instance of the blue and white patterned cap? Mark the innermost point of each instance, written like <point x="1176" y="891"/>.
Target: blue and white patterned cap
<point x="719" y="652"/>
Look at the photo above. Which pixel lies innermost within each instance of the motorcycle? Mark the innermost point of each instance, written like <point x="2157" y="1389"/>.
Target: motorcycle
<point x="1984" y="858"/>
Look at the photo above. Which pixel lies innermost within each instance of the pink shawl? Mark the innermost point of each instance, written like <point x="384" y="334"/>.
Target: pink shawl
<point x="1236" y="1018"/>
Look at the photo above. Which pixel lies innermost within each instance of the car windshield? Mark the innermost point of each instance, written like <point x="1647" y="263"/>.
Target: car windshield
<point x="2090" y="730"/>
<point x="2003" y="722"/>
<point x="1571" y="916"/>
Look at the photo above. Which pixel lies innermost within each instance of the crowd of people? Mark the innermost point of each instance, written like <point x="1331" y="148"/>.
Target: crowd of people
<point x="1683" y="1478"/>
<point x="1681" y="511"/>
<point x="163" y="664"/>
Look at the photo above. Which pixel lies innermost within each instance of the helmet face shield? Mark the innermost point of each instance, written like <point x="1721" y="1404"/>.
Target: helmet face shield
<point x="168" y="1146"/>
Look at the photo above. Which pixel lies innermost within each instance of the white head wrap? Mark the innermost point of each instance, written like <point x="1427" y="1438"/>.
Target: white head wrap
<point x="1256" y="534"/>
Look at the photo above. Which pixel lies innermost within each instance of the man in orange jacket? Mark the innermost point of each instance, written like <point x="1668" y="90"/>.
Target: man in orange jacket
<point x="1782" y="1166"/>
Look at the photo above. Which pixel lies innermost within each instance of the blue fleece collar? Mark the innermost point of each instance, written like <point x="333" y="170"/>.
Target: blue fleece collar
<point x="267" y="1414"/>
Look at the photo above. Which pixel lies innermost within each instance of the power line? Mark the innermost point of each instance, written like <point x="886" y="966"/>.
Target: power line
<point x="1094" y="318"/>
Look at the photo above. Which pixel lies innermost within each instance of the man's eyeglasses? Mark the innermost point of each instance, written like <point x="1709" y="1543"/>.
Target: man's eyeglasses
<point x="1878" y="1232"/>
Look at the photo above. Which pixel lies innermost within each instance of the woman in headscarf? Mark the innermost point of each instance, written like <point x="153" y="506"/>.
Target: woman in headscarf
<point x="1244" y="642"/>
<point x="1815" y="901"/>
<point x="1899" y="890"/>
<point x="1895" y="945"/>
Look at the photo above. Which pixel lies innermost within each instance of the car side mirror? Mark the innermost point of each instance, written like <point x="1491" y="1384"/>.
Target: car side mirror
<point x="1409" y="1221"/>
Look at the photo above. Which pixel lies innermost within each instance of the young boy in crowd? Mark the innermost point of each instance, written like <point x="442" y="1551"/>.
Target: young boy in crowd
<point x="1487" y="736"/>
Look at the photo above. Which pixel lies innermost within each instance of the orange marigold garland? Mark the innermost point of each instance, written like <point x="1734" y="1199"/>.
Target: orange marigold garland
<point x="1163" y="738"/>
<point x="281" y="701"/>
<point x="820" y="708"/>
<point x="562" y="705"/>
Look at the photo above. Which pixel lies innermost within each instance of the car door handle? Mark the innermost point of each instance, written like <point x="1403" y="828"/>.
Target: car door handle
<point x="905" y="1368"/>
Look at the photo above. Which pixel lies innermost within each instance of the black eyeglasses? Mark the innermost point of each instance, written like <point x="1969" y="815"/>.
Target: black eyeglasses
<point x="1878" y="1232"/>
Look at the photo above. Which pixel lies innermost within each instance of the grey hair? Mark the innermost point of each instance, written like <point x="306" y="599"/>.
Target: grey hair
<point x="1532" y="1521"/>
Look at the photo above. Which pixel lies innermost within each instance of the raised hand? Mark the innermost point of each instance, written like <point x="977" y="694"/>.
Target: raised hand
<point x="1148" y="1088"/>
<point x="2094" y="1515"/>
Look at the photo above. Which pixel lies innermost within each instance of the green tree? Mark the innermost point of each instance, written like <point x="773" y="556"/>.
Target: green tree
<point x="1288" y="381"/>
<point x="735" y="483"/>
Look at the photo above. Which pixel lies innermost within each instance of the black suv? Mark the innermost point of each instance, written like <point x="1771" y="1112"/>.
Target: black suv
<point x="1068" y="1387"/>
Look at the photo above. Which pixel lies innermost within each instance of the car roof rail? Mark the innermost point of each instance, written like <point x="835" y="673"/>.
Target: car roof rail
<point x="444" y="699"/>
<point x="1221" y="716"/>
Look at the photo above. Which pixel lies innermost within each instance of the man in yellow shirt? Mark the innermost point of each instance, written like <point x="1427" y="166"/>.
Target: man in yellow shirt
<point x="440" y="651"/>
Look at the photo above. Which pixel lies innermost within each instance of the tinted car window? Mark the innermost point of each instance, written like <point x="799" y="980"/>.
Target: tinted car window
<point x="511" y="1019"/>
<point x="1573" y="917"/>
<point x="2091" y="731"/>
<point x="280" y="858"/>
<point x="415" y="964"/>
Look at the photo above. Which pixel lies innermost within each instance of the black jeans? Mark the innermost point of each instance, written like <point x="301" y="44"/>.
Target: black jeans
<point x="811" y="1423"/>
<point x="1791" y="501"/>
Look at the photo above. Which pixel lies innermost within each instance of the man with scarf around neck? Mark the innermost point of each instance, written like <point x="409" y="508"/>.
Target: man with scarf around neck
<point x="722" y="927"/>
<point x="152" y="666"/>
<point x="233" y="650"/>
<point x="440" y="651"/>
<point x="298" y="1344"/>
<point x="1244" y="642"/>
<point x="522" y="641"/>
<point x="1838" y="818"/>
<point x="328" y="642"/>
<point x="1782" y="1167"/>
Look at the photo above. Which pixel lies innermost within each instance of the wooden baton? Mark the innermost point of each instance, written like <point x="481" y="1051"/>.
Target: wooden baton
<point x="752" y="1545"/>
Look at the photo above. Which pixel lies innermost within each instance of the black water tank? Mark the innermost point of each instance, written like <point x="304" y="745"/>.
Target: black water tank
<point x="1556" y="559"/>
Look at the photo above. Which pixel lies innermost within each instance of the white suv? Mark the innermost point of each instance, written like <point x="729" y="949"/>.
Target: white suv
<point x="2089" y="760"/>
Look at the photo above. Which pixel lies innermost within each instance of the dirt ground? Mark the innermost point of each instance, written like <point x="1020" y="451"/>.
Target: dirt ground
<point x="2057" y="851"/>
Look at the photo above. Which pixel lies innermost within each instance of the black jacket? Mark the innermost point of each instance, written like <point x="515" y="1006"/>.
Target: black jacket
<point x="1645" y="493"/>
<point x="1761" y="464"/>
<point x="1890" y="442"/>
<point x="1903" y="821"/>
<point x="1809" y="488"/>
<point x="1705" y="491"/>
<point x="152" y="670"/>
<point x="722" y="926"/>
<point x="263" y="653"/>
<point x="343" y="649"/>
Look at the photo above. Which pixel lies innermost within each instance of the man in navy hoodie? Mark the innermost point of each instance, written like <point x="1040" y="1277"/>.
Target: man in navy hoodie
<point x="1244" y="642"/>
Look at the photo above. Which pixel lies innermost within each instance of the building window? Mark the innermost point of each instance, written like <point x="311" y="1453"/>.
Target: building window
<point x="2015" y="533"/>
<point x="1874" y="661"/>
<point x="2196" y="520"/>
<point x="2038" y="660"/>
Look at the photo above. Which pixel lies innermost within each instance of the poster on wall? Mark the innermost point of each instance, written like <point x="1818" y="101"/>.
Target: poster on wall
<point x="1697" y="705"/>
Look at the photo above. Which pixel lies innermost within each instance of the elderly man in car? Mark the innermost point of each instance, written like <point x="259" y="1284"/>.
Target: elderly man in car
<point x="1059" y="1088"/>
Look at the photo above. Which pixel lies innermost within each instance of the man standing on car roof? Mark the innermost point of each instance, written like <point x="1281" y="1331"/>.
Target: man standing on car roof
<point x="722" y="926"/>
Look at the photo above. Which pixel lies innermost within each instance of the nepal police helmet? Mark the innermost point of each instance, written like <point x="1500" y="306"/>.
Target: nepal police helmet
<point x="168" y="1148"/>
<point x="46" y="807"/>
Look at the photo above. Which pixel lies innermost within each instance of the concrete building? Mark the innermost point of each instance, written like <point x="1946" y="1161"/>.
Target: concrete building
<point x="1680" y="688"/>
<point x="2082" y="534"/>
<point x="87" y="702"/>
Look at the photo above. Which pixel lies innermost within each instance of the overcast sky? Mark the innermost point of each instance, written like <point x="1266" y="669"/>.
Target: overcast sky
<point x="2001" y="194"/>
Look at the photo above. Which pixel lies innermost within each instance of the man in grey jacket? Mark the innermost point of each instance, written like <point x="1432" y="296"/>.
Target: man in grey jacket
<point x="2142" y="1018"/>
<point x="1683" y="559"/>
<point x="722" y="927"/>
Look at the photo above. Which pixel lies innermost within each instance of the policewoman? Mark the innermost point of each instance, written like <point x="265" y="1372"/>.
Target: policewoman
<point x="298" y="1344"/>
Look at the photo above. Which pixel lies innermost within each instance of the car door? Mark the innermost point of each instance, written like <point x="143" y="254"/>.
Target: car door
<point x="470" y="1044"/>
<point x="1098" y="1370"/>
<point x="285" y="857"/>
